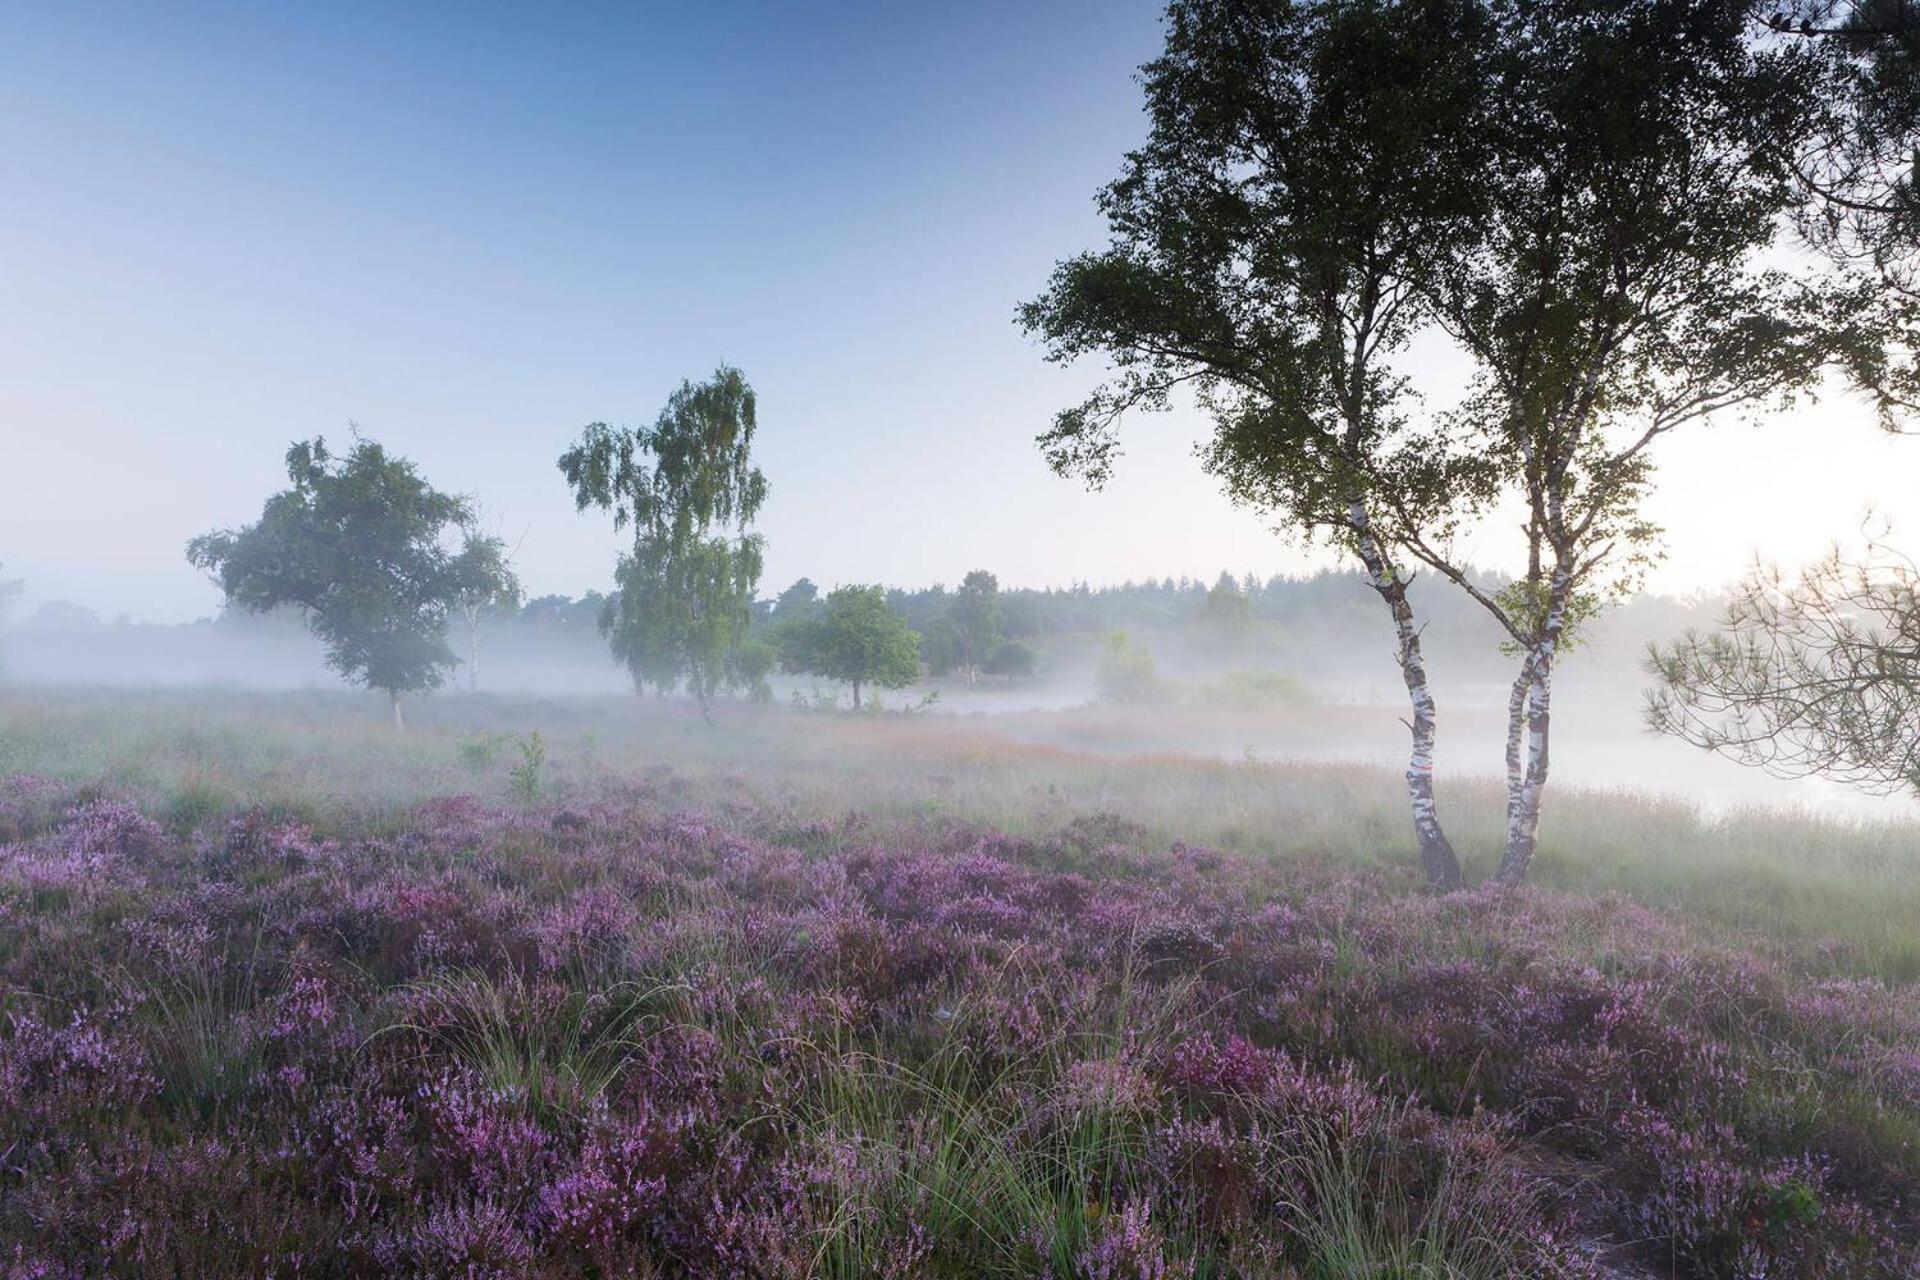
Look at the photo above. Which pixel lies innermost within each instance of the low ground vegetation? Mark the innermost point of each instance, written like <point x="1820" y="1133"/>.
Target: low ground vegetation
<point x="619" y="1037"/>
<point x="652" y="1020"/>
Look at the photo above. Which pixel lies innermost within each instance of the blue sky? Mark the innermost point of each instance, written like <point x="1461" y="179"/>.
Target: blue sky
<point x="472" y="229"/>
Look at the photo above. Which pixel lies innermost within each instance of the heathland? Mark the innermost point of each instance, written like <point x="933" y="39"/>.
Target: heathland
<point x="288" y="993"/>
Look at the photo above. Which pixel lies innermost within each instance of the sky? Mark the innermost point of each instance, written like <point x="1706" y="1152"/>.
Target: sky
<point x="470" y="230"/>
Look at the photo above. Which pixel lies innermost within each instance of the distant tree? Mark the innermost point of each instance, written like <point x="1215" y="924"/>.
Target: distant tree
<point x="1015" y="659"/>
<point x="856" y="639"/>
<point x="750" y="662"/>
<point x="1125" y="673"/>
<point x="977" y="621"/>
<point x="359" y="545"/>
<point x="940" y="645"/>
<point x="1025" y="617"/>
<point x="1820" y="675"/>
<point x="10" y="589"/>
<point x="684" y="591"/>
<point x="797" y="601"/>
<point x="486" y="582"/>
<point x="1227" y="614"/>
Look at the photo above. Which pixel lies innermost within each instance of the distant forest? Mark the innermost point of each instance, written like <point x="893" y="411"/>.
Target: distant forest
<point x="1324" y="629"/>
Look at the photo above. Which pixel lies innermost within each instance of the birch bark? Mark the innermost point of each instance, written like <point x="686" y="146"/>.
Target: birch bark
<point x="1437" y="858"/>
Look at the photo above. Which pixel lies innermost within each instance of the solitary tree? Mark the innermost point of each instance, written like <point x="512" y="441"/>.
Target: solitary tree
<point x="1306" y="170"/>
<point x="977" y="622"/>
<point x="857" y="638"/>
<point x="1125" y="672"/>
<point x="359" y="545"/>
<point x="684" y="590"/>
<point x="486" y="581"/>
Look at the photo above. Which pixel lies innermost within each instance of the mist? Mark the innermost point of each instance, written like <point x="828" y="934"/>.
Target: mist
<point x="1101" y="640"/>
<point x="1331" y="691"/>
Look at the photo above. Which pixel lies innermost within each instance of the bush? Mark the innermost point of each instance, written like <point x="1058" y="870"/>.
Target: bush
<point x="1126" y="674"/>
<point x="1015" y="659"/>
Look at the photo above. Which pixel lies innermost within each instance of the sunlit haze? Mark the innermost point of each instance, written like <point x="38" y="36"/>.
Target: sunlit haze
<point x="473" y="230"/>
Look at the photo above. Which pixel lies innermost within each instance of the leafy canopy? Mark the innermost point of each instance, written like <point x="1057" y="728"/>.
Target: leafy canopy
<point x="683" y="593"/>
<point x="359" y="545"/>
<point x="1306" y="169"/>
<point x="978" y="620"/>
<point x="857" y="639"/>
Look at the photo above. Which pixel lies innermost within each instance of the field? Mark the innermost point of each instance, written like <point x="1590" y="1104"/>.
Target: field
<point x="285" y="993"/>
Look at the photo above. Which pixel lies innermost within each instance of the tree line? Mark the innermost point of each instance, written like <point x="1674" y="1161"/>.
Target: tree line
<point x="1629" y="218"/>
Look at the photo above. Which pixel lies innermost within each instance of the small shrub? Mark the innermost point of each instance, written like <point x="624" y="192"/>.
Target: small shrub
<point x="527" y="781"/>
<point x="479" y="751"/>
<point x="1126" y="674"/>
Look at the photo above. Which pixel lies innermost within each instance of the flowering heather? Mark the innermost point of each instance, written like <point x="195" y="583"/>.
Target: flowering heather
<point x="616" y="1040"/>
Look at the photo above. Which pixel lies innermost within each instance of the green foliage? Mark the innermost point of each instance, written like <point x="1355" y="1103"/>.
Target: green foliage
<point x="857" y="639"/>
<point x="528" y="779"/>
<point x="800" y="600"/>
<point x="554" y="1058"/>
<point x="977" y="619"/>
<point x="1015" y="659"/>
<point x="483" y="578"/>
<point x="940" y="644"/>
<point x="1790" y="1203"/>
<point x="1126" y="673"/>
<point x="479" y="751"/>
<point x="749" y="663"/>
<point x="1583" y="195"/>
<point x="198" y="798"/>
<point x="1227" y="612"/>
<point x="1819" y="675"/>
<point x="358" y="545"/>
<point x="684" y="591"/>
<point x="1304" y="171"/>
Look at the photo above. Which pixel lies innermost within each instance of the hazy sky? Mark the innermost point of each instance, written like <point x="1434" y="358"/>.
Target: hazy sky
<point x="472" y="230"/>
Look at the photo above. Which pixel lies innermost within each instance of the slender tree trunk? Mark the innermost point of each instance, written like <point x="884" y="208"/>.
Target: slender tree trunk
<point x="1516" y="740"/>
<point x="1523" y="808"/>
<point x="473" y="651"/>
<point x="399" y="720"/>
<point x="1437" y="857"/>
<point x="856" y="695"/>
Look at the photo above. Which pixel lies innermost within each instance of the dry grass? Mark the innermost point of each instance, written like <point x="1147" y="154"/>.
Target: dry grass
<point x="1848" y="889"/>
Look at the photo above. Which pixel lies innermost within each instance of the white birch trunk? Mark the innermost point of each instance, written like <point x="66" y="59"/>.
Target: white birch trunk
<point x="1437" y="857"/>
<point x="1523" y="816"/>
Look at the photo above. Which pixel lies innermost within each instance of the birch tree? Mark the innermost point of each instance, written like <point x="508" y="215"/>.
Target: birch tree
<point x="1622" y="290"/>
<point x="484" y="571"/>
<point x="977" y="622"/>
<point x="687" y="487"/>
<point x="1306" y="168"/>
